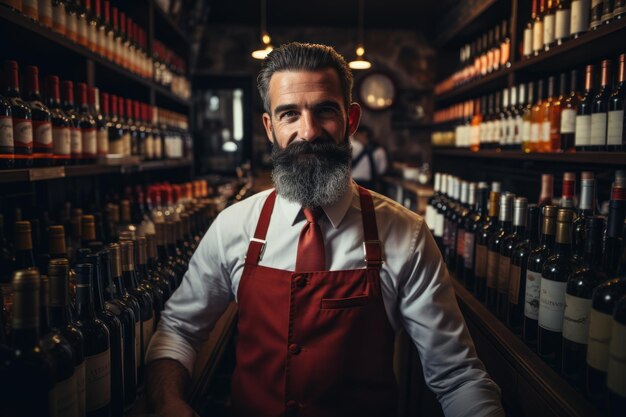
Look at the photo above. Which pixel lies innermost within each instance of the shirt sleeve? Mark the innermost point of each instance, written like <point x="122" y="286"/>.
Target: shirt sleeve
<point x="432" y="318"/>
<point x="192" y="311"/>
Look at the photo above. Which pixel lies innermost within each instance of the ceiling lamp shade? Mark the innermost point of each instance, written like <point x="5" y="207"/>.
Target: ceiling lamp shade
<point x="360" y="63"/>
<point x="266" y="46"/>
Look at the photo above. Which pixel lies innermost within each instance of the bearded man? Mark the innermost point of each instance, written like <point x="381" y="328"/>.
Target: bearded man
<point x="324" y="273"/>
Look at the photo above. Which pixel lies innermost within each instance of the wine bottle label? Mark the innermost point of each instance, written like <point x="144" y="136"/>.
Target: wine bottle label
<point x="619" y="8"/>
<point x="43" y="134"/>
<point x="98" y="380"/>
<point x="528" y="42"/>
<point x="583" y="130"/>
<point x="517" y="130"/>
<point x="515" y="276"/>
<point x="82" y="30"/>
<point x="568" y="121"/>
<point x="63" y="398"/>
<point x="81" y="388"/>
<point x="505" y="53"/>
<point x="579" y="21"/>
<point x="531" y="298"/>
<point x="61" y="141"/>
<point x="576" y="319"/>
<point x="545" y="132"/>
<point x="148" y="330"/>
<point x="526" y="131"/>
<point x="497" y="131"/>
<point x="149" y="144"/>
<point x="460" y="241"/>
<point x="430" y="217"/>
<point x="615" y="127"/>
<point x="138" y="334"/>
<point x="7" y="143"/>
<point x="439" y="225"/>
<point x="102" y="137"/>
<point x="496" y="58"/>
<point x="76" y="141"/>
<point x="126" y="142"/>
<point x="535" y="132"/>
<point x="468" y="251"/>
<point x="551" y="304"/>
<point x="30" y="8"/>
<point x="562" y="26"/>
<point x="548" y="29"/>
<point x="537" y="36"/>
<point x="23" y="133"/>
<point x="504" y="271"/>
<point x="615" y="378"/>
<point x="481" y="261"/>
<point x="492" y="268"/>
<point x="70" y="23"/>
<point x="158" y="148"/>
<point x="116" y="146"/>
<point x="93" y="36"/>
<point x="90" y="142"/>
<point x="599" y="339"/>
<point x="59" y="20"/>
<point x="598" y="129"/>
<point x="45" y="11"/>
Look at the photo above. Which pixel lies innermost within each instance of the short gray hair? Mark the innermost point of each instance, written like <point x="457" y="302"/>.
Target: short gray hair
<point x="296" y="56"/>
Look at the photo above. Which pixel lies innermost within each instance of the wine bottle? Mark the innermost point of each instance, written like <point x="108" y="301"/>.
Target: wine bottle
<point x="7" y="144"/>
<point x="97" y="346"/>
<point x="596" y="14"/>
<point x="546" y="124"/>
<point x="527" y="47"/>
<point x="176" y="262"/>
<point x="154" y="273"/>
<point x="22" y="117"/>
<point x="505" y="46"/>
<point x="102" y="134"/>
<point x="607" y="11"/>
<point x="24" y="257"/>
<point x="166" y="269"/>
<point x="519" y="264"/>
<point x="547" y="190"/>
<point x="431" y="211"/>
<point x="549" y="22"/>
<point x="569" y="107"/>
<point x="87" y="126"/>
<point x="439" y="217"/>
<point x="59" y="314"/>
<point x="555" y="115"/>
<point x="602" y="304"/>
<point x="449" y="231"/>
<point x="144" y="281"/>
<point x="61" y="124"/>
<point x="527" y="120"/>
<point x="583" y="117"/>
<point x="599" y="110"/>
<point x="616" y="133"/>
<point x="613" y="243"/>
<point x="538" y="29"/>
<point x="481" y="250"/>
<point x="580" y="286"/>
<point x="579" y="22"/>
<point x="494" y="244"/>
<point x="562" y="21"/>
<point x="42" y="123"/>
<point x="568" y="194"/>
<point x="126" y="137"/>
<point x="76" y="141"/>
<point x="586" y="208"/>
<point x="508" y="245"/>
<point x="536" y="119"/>
<point x="536" y="259"/>
<point x="617" y="359"/>
<point x="132" y="127"/>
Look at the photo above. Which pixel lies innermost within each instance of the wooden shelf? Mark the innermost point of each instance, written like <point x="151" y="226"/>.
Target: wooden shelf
<point x="489" y="82"/>
<point x="591" y="158"/>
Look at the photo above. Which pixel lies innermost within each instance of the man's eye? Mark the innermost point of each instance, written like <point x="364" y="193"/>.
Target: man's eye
<point x="288" y="115"/>
<point x="327" y="111"/>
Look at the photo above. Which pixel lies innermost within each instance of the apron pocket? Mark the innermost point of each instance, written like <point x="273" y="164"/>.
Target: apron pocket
<point x="336" y="303"/>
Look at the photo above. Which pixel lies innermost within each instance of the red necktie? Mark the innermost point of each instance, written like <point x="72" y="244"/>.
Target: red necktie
<point x="311" y="256"/>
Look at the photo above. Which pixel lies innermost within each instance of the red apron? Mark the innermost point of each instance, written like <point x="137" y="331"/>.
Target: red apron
<point x="316" y="343"/>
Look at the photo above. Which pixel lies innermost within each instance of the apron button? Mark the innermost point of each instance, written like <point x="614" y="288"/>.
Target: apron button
<point x="292" y="406"/>
<point x="300" y="281"/>
<point x="294" y="349"/>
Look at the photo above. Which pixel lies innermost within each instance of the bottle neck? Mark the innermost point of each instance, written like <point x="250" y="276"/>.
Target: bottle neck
<point x="547" y="241"/>
<point x="120" y="287"/>
<point x="85" y="302"/>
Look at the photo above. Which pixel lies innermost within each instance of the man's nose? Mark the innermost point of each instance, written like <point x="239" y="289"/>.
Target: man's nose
<point x="310" y="128"/>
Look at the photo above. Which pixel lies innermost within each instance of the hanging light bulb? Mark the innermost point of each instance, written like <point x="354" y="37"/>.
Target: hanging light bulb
<point x="360" y="63"/>
<point x="266" y="46"/>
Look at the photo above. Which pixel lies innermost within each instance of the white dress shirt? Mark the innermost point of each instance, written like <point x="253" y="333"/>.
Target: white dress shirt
<point x="416" y="289"/>
<point x="363" y="169"/>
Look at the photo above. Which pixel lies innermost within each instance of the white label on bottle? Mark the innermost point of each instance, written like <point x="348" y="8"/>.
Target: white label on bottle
<point x="63" y="398"/>
<point x="579" y="21"/>
<point x="59" y="16"/>
<point x="102" y="137"/>
<point x="615" y="127"/>
<point x="438" y="225"/>
<point x="148" y="329"/>
<point x="528" y="42"/>
<point x="561" y="30"/>
<point x="599" y="339"/>
<point x="551" y="304"/>
<point x="526" y="131"/>
<point x="76" y="141"/>
<point x="576" y="319"/>
<point x="548" y="29"/>
<point x="82" y="28"/>
<point x="430" y="217"/>
<point x="149" y="148"/>
<point x="545" y="132"/>
<point x="6" y="132"/>
<point x="598" y="129"/>
<point x="535" y="134"/>
<point x="531" y="298"/>
<point x="93" y="36"/>
<point x="568" y="121"/>
<point x="61" y="141"/>
<point x="43" y="134"/>
<point x="23" y="132"/>
<point x="468" y="251"/>
<point x="45" y="10"/>
<point x="515" y="275"/>
<point x="537" y="36"/>
<point x="90" y="142"/>
<point x="71" y="23"/>
<point x="616" y="375"/>
<point x="158" y="148"/>
<point x="126" y="143"/>
<point x="137" y="348"/>
<point x="98" y="379"/>
<point x="81" y="388"/>
<point x="517" y="132"/>
<point x="583" y="130"/>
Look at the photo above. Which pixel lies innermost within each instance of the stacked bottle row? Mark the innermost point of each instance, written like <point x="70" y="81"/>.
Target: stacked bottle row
<point x="57" y="130"/>
<point x="553" y="272"/>
<point x="80" y="312"/>
<point x="552" y="22"/>
<point x="538" y="117"/>
<point x="97" y="26"/>
<point x="170" y="70"/>
<point x="488" y="53"/>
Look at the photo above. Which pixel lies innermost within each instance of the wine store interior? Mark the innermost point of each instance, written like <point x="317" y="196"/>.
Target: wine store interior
<point x="208" y="207"/>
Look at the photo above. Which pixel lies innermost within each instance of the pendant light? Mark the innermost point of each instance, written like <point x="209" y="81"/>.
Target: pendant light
<point x="360" y="63"/>
<point x="266" y="46"/>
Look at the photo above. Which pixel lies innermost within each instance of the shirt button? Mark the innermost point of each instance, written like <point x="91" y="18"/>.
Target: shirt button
<point x="292" y="406"/>
<point x="300" y="281"/>
<point x="294" y="349"/>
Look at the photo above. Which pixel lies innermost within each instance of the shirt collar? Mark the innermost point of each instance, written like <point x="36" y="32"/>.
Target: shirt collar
<point x="334" y="212"/>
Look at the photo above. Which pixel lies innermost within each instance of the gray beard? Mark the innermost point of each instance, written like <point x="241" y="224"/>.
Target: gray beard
<point x="313" y="174"/>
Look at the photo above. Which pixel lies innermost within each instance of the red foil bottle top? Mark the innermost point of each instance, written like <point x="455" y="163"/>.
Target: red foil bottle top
<point x="82" y="93"/>
<point x="68" y="91"/>
<point x="618" y="192"/>
<point x="120" y="106"/>
<point x="107" y="11"/>
<point x="52" y="87"/>
<point x="104" y="103"/>
<point x="32" y="79"/>
<point x="115" y="19"/>
<point x="129" y="108"/>
<point x="11" y="75"/>
<point x="569" y="184"/>
<point x="93" y="92"/>
<point x="113" y="99"/>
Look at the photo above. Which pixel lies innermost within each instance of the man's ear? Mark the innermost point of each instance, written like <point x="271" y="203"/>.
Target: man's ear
<point x="354" y="117"/>
<point x="267" y="124"/>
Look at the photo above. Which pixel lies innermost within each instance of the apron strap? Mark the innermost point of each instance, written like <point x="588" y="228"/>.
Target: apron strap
<point x="371" y="244"/>
<point x="257" y="243"/>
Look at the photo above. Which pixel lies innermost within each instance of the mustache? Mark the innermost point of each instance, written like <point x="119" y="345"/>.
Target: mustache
<point x="321" y="146"/>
